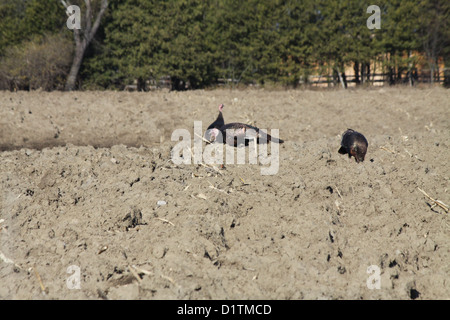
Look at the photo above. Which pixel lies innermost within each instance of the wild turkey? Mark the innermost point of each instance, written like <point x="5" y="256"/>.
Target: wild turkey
<point x="355" y="144"/>
<point x="234" y="133"/>
<point x="217" y="124"/>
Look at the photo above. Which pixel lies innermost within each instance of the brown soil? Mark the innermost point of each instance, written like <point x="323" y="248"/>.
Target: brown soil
<point x="82" y="173"/>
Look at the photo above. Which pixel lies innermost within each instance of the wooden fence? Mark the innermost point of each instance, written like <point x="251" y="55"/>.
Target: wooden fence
<point x="379" y="79"/>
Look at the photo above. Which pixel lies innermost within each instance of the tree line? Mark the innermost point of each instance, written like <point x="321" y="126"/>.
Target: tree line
<point x="198" y="43"/>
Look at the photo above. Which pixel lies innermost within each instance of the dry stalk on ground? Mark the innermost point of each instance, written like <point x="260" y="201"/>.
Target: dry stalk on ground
<point x="435" y="202"/>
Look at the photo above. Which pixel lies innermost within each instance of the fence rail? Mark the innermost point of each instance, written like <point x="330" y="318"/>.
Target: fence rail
<point x="381" y="78"/>
<point x="317" y="80"/>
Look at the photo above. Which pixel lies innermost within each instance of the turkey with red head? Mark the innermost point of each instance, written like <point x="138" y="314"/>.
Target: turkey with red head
<point x="217" y="124"/>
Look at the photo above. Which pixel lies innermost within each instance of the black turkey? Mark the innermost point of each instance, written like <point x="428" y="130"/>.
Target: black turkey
<point x="235" y="133"/>
<point x="355" y="144"/>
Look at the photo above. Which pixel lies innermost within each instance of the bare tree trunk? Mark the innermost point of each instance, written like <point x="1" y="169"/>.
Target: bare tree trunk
<point x="141" y="85"/>
<point x="75" y="68"/>
<point x="410" y="70"/>
<point x="391" y="76"/>
<point x="438" y="77"/>
<point x="82" y="39"/>
<point x="367" y="72"/>
<point x="356" y="71"/>
<point x="374" y="71"/>
<point x="363" y="73"/>
<point x="341" y="79"/>
<point x="431" y="73"/>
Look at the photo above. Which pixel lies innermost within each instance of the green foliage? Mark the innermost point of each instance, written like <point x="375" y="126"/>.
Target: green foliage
<point x="44" y="16"/>
<point x="11" y="13"/>
<point x="434" y="29"/>
<point x="20" y="20"/>
<point x="255" y="41"/>
<point x="399" y="35"/>
<point x="39" y="63"/>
